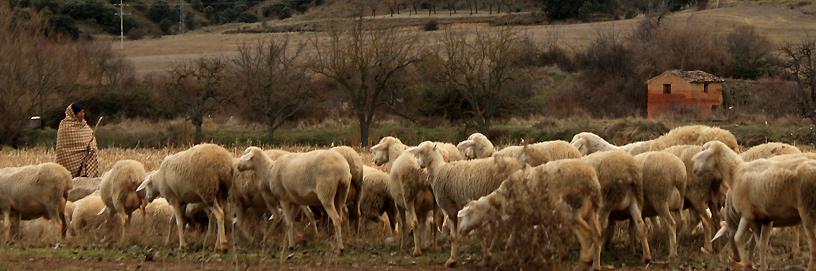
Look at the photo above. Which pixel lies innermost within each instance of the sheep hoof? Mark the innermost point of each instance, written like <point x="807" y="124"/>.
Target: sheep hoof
<point x="416" y="253"/>
<point x="222" y="248"/>
<point x="707" y="251"/>
<point x="647" y="260"/>
<point x="338" y="252"/>
<point x="450" y="263"/>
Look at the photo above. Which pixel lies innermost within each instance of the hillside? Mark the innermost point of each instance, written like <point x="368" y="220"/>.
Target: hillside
<point x="779" y="24"/>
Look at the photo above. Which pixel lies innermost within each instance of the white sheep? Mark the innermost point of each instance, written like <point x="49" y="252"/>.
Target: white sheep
<point x="408" y="185"/>
<point x="356" y="166"/>
<point x="456" y="183"/>
<point x="622" y="191"/>
<point x="573" y="186"/>
<point x="544" y="152"/>
<point x="32" y="192"/>
<point x="316" y="178"/>
<point x="118" y="191"/>
<point x="664" y="185"/>
<point x="763" y="194"/>
<point x="85" y="217"/>
<point x="83" y="186"/>
<point x="685" y="135"/>
<point x="201" y="174"/>
<point x="476" y="146"/>
<point x="703" y="192"/>
<point x="768" y="150"/>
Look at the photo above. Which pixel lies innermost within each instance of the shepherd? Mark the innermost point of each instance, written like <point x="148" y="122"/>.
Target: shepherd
<point x="76" y="143"/>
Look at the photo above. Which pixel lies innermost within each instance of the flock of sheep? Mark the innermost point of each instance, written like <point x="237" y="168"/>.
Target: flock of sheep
<point x="461" y="187"/>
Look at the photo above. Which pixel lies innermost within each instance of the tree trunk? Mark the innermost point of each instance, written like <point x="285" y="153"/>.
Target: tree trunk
<point x="364" y="128"/>
<point x="198" y="122"/>
<point x="270" y="132"/>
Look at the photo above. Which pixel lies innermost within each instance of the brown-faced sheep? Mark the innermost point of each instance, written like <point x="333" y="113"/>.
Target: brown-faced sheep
<point x="201" y="174"/>
<point x="476" y="146"/>
<point x="375" y="198"/>
<point x="764" y="193"/>
<point x="83" y="186"/>
<point x="316" y="178"/>
<point x="456" y="183"/>
<point x="703" y="192"/>
<point x="32" y="192"/>
<point x="118" y="191"/>
<point x="664" y="184"/>
<point x="574" y="188"/>
<point x="622" y="191"/>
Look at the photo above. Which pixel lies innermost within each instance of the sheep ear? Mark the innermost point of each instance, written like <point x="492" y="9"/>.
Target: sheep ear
<point x="720" y="233"/>
<point x="144" y="183"/>
<point x="413" y="150"/>
<point x="247" y="156"/>
<point x="434" y="148"/>
<point x="102" y="211"/>
<point x="376" y="147"/>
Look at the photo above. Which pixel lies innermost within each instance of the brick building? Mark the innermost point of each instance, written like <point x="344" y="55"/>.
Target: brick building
<point x="676" y="91"/>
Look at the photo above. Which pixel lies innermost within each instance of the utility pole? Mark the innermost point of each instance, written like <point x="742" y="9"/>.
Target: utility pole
<point x="181" y="17"/>
<point x="121" y="25"/>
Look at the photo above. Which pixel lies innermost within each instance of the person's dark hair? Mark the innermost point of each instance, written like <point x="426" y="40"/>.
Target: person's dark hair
<point x="77" y="106"/>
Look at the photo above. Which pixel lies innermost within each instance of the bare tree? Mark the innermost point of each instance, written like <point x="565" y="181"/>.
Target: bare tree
<point x="363" y="62"/>
<point x="800" y="66"/>
<point x="480" y="68"/>
<point x="273" y="84"/>
<point x="198" y="86"/>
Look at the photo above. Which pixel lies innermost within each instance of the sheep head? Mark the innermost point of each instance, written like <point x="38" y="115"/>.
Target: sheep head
<point x="380" y="151"/>
<point x="466" y="147"/>
<point x="149" y="187"/>
<point x="474" y="215"/>
<point x="709" y="159"/>
<point x="426" y="154"/>
<point x="250" y="159"/>
<point x="581" y="143"/>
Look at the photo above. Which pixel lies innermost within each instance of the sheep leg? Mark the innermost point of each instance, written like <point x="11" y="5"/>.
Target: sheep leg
<point x="609" y="234"/>
<point x="584" y="232"/>
<point x="221" y="242"/>
<point x="402" y="228"/>
<point x="795" y="242"/>
<point x="62" y="219"/>
<point x="169" y="230"/>
<point x="603" y="216"/>
<point x="637" y="221"/>
<point x="337" y="220"/>
<point x="178" y="210"/>
<point x="667" y="221"/>
<point x="311" y="217"/>
<point x="762" y="242"/>
<point x="453" y="222"/>
<point x="289" y="240"/>
<point x="7" y="225"/>
<point x="741" y="238"/>
<point x="414" y="225"/>
<point x="808" y="227"/>
<point x="708" y="227"/>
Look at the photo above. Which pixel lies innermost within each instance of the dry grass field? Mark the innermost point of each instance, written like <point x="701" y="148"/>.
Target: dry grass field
<point x="779" y="23"/>
<point x="372" y="249"/>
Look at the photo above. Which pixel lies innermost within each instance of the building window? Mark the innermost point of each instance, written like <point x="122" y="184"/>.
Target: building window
<point x="666" y="88"/>
<point x="705" y="87"/>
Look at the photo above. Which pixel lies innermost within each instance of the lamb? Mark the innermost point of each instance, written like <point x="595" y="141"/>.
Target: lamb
<point x="457" y="183"/>
<point x="375" y="198"/>
<point x="83" y="186"/>
<point x="763" y="194"/>
<point x="314" y="178"/>
<point x="541" y="153"/>
<point x="768" y="150"/>
<point x="85" y="217"/>
<point x="702" y="192"/>
<point x="407" y="185"/>
<point x="622" y="191"/>
<point x="201" y="174"/>
<point x="118" y="191"/>
<point x="572" y="184"/>
<point x="356" y="166"/>
<point x="32" y="192"/>
<point x="664" y="185"/>
<point x="476" y="146"/>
